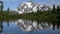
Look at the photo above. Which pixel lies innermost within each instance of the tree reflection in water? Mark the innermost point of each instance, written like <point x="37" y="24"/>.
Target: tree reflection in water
<point x="31" y="25"/>
<point x="1" y="26"/>
<point x="7" y="22"/>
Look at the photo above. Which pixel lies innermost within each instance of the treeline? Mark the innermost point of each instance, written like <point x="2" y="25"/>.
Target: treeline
<point x="56" y="10"/>
<point x="7" y="14"/>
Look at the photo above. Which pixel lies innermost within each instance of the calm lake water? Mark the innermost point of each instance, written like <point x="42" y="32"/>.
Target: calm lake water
<point x="21" y="26"/>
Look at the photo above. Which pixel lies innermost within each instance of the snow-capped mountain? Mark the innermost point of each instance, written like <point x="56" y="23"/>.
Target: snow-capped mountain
<point x="27" y="7"/>
<point x="29" y="26"/>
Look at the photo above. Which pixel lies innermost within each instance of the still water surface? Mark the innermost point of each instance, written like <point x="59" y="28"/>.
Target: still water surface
<point x="21" y="26"/>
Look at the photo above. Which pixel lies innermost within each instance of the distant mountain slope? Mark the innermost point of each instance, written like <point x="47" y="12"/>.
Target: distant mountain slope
<point x="27" y="7"/>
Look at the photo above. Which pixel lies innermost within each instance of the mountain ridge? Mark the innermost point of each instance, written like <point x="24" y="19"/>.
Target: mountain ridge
<point x="27" y="7"/>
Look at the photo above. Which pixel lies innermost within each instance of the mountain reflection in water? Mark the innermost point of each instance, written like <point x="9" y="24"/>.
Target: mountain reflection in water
<point x="15" y="27"/>
<point x="29" y="25"/>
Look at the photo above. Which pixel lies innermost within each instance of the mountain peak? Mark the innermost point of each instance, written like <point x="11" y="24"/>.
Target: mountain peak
<point x="27" y="7"/>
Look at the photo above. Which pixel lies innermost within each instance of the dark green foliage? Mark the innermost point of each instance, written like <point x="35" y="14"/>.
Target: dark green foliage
<point x="8" y="9"/>
<point x="58" y="9"/>
<point x="54" y="9"/>
<point x="1" y="7"/>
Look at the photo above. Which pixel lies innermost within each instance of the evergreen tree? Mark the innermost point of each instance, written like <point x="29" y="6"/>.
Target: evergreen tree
<point x="58" y="9"/>
<point x="8" y="9"/>
<point x="53" y="9"/>
<point x="1" y="5"/>
<point x="38" y="11"/>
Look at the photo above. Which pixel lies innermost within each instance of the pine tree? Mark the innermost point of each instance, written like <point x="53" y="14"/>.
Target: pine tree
<point x="58" y="8"/>
<point x="38" y="11"/>
<point x="1" y="5"/>
<point x="53" y="11"/>
<point x="8" y="10"/>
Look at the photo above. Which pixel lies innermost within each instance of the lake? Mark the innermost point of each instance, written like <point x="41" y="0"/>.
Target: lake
<point x="23" y="26"/>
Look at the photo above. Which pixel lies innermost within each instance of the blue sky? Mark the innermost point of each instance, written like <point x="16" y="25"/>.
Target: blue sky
<point x="12" y="4"/>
